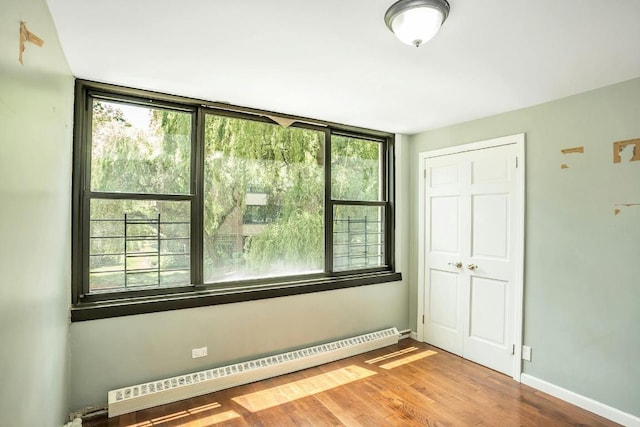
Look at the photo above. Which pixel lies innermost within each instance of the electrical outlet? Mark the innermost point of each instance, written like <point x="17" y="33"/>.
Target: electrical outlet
<point x="198" y="352"/>
<point x="526" y="353"/>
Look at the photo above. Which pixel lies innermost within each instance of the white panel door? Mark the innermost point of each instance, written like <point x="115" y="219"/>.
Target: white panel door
<point x="469" y="258"/>
<point x="490" y="262"/>
<point x="443" y="317"/>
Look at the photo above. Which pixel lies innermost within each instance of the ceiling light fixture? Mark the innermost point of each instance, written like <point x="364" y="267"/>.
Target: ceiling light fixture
<point x="416" y="22"/>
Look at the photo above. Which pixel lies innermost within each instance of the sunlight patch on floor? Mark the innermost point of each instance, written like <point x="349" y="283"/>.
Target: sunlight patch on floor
<point x="391" y="355"/>
<point x="219" y="418"/>
<point x="289" y="392"/>
<point x="170" y="418"/>
<point x="408" y="359"/>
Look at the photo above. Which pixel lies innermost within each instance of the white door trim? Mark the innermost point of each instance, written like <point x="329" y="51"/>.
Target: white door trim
<point x="519" y="141"/>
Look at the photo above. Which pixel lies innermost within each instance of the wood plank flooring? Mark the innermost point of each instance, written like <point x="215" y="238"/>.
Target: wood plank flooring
<point x="409" y="384"/>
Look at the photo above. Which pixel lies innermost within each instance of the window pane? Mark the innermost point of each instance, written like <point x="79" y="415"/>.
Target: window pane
<point x="136" y="149"/>
<point x="263" y="214"/>
<point x="355" y="169"/>
<point x="138" y="244"/>
<point x="358" y="237"/>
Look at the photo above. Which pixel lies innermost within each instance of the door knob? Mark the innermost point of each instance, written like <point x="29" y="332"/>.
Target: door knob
<point x="457" y="264"/>
<point x="472" y="267"/>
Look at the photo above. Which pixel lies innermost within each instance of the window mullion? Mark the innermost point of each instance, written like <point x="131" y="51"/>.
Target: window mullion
<point x="382" y="163"/>
<point x="358" y="203"/>
<point x="137" y="196"/>
<point x="85" y="245"/>
<point x="83" y="145"/>
<point x="328" y="205"/>
<point x="86" y="192"/>
<point x="197" y="211"/>
<point x="389" y="187"/>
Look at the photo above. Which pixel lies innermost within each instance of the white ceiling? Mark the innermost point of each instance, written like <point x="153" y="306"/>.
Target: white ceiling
<point x="335" y="60"/>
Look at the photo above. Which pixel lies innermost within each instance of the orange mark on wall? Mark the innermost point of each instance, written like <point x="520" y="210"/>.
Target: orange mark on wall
<point x="27" y="36"/>
<point x="570" y="151"/>
<point x="573" y="150"/>
<point x="623" y="205"/>
<point x="630" y="146"/>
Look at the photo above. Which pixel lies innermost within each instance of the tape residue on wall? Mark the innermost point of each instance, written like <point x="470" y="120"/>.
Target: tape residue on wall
<point x="27" y="36"/>
<point x="579" y="150"/>
<point x="623" y="205"/>
<point x="629" y="149"/>
<point x="573" y="150"/>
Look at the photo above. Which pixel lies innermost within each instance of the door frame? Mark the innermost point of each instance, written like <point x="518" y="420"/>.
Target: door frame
<point x="518" y="294"/>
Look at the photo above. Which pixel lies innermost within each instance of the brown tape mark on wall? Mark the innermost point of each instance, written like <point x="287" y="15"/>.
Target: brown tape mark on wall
<point x="629" y="144"/>
<point x="569" y="151"/>
<point x="623" y="205"/>
<point x="27" y="36"/>
<point x="573" y="150"/>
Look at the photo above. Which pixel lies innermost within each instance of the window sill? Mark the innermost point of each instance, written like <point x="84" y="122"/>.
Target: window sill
<point x="205" y="297"/>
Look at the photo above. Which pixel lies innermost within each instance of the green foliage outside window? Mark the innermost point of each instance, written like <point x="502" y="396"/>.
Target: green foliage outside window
<point x="144" y="150"/>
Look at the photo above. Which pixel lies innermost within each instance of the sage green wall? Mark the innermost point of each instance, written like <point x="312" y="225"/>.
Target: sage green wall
<point x="112" y="353"/>
<point x="36" y="105"/>
<point x="582" y="282"/>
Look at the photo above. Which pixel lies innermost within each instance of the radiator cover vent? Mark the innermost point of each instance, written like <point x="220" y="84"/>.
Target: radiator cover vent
<point x="161" y="392"/>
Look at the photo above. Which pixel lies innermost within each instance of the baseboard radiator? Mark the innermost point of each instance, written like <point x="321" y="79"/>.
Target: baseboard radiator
<point x="161" y="392"/>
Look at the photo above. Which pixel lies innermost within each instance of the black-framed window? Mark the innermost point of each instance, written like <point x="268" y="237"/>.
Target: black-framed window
<point x="180" y="204"/>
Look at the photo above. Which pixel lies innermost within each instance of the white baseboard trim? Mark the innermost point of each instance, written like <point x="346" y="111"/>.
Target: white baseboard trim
<point x="583" y="402"/>
<point x="404" y="334"/>
<point x="414" y="336"/>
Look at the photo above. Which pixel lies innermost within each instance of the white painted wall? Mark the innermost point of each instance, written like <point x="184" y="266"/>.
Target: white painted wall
<point x="36" y="106"/>
<point x="582" y="285"/>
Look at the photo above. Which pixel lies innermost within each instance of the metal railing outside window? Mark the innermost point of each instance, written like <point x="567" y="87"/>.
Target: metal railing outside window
<point x="147" y="255"/>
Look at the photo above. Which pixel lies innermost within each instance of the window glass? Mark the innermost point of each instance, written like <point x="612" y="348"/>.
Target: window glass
<point x="358" y="237"/>
<point x="136" y="244"/>
<point x="137" y="149"/>
<point x="263" y="200"/>
<point x="356" y="172"/>
<point x="176" y="200"/>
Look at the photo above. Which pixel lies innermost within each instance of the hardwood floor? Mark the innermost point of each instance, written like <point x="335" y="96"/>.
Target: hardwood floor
<point x="411" y="384"/>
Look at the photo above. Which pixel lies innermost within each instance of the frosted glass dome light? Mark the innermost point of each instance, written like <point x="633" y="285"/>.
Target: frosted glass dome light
<point x="415" y="22"/>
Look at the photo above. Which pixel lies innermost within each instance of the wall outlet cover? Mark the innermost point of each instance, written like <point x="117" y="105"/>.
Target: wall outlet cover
<point x="198" y="352"/>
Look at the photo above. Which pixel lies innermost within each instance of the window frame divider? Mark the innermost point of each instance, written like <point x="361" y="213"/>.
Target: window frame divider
<point x="197" y="204"/>
<point x="328" y="205"/>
